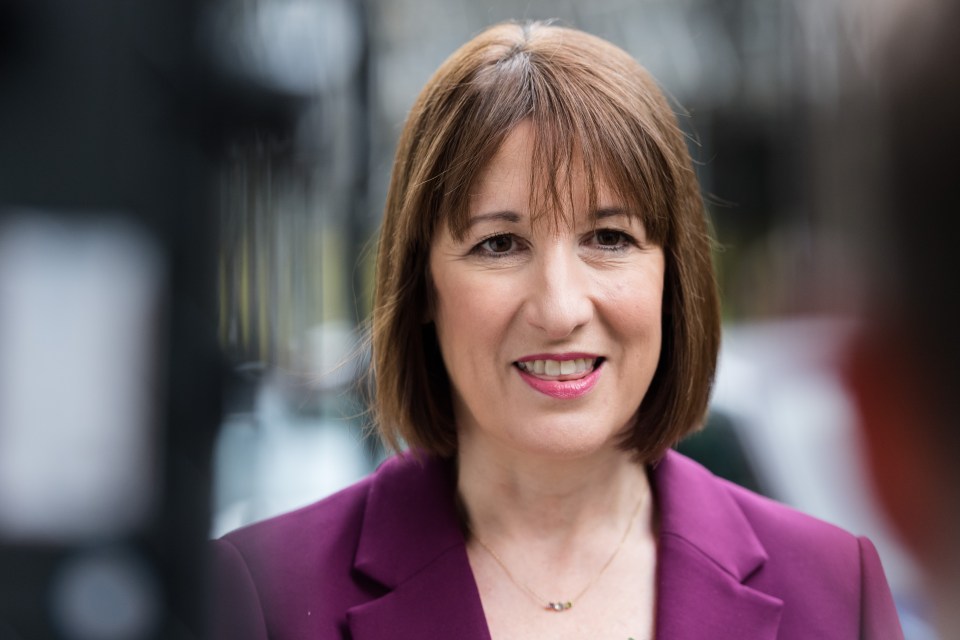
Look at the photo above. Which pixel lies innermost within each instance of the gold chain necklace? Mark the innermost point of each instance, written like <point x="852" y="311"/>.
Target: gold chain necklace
<point x="562" y="605"/>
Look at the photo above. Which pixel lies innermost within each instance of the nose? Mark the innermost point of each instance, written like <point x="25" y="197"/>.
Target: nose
<point x="559" y="300"/>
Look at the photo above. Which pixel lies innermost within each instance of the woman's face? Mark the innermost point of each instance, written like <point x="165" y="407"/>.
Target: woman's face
<point x="550" y="333"/>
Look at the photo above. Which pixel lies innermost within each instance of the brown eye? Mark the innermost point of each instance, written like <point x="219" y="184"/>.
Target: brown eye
<point x="609" y="238"/>
<point x="498" y="244"/>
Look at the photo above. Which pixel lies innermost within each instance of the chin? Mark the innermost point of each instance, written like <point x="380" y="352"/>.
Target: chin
<point x="564" y="442"/>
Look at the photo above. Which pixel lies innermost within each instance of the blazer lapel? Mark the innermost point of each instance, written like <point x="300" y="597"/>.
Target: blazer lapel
<point x="439" y="602"/>
<point x="707" y="552"/>
<point x="412" y="545"/>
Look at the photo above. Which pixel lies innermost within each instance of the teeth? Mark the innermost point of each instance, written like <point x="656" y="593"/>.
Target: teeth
<point x="558" y="367"/>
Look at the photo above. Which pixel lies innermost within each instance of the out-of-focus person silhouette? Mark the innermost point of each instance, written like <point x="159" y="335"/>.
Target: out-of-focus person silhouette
<point x="904" y="365"/>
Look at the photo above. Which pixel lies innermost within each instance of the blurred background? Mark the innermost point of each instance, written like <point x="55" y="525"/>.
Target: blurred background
<point x="189" y="198"/>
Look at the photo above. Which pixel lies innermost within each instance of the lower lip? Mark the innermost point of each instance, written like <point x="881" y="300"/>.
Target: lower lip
<point x="563" y="389"/>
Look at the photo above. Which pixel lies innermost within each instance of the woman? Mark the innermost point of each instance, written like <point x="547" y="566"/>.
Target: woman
<point x="546" y="326"/>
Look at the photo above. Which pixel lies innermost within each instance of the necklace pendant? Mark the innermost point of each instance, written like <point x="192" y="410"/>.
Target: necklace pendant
<point x="559" y="607"/>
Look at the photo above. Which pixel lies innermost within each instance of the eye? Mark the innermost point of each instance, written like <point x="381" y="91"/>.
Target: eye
<point x="611" y="239"/>
<point x="503" y="243"/>
<point x="608" y="237"/>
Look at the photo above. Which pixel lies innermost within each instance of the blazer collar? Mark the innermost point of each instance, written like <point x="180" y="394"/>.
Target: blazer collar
<point x="411" y="543"/>
<point x="707" y="552"/>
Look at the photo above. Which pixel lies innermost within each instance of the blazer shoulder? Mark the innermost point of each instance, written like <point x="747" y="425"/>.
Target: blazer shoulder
<point x="826" y="582"/>
<point x="334" y="525"/>
<point x="329" y="520"/>
<point x="810" y="560"/>
<point x="291" y="575"/>
<point x="713" y="512"/>
<point x="779" y="525"/>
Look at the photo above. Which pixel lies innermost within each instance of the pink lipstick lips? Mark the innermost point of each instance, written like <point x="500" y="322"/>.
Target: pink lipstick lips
<point x="563" y="376"/>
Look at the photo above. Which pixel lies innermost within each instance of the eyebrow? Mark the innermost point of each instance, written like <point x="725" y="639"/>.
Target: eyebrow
<point x="501" y="216"/>
<point x="610" y="212"/>
<point x="513" y="217"/>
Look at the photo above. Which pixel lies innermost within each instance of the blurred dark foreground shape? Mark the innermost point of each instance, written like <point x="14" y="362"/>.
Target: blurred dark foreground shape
<point x="113" y="123"/>
<point x="905" y="364"/>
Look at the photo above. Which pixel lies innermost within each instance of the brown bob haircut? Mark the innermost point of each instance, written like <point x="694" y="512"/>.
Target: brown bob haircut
<point x="586" y="99"/>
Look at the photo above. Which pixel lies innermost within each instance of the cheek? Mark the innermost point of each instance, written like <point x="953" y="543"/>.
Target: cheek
<point x="635" y="305"/>
<point x="453" y="322"/>
<point x="466" y="308"/>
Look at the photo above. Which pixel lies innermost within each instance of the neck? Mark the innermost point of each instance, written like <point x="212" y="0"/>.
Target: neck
<point x="510" y="495"/>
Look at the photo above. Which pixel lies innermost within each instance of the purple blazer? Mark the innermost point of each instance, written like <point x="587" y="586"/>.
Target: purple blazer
<point x="385" y="558"/>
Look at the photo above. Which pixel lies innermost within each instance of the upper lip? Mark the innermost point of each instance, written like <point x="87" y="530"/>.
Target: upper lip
<point x="577" y="355"/>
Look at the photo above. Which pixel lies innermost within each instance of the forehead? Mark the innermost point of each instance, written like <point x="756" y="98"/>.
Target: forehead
<point x="509" y="172"/>
<point x="513" y="158"/>
<point x="518" y="179"/>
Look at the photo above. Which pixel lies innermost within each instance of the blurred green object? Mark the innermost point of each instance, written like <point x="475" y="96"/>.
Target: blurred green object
<point x="718" y="448"/>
